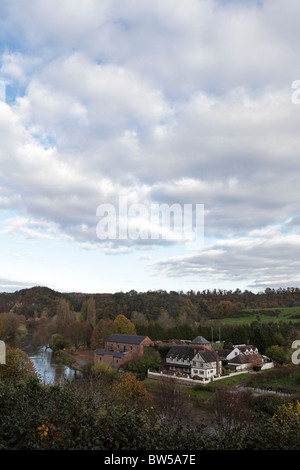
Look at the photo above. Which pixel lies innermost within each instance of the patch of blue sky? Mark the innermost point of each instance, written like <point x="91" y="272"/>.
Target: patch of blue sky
<point x="13" y="92"/>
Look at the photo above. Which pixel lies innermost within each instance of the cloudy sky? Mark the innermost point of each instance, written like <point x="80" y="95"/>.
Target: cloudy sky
<point x="173" y="102"/>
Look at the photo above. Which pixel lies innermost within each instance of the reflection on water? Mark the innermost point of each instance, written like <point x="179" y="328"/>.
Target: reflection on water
<point x="49" y="369"/>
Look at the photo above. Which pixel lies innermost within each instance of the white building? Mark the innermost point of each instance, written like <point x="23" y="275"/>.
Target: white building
<point x="192" y="362"/>
<point x="206" y="365"/>
<point x="246" y="349"/>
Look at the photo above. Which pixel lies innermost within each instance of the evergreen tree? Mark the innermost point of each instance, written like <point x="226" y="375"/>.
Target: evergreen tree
<point x="91" y="312"/>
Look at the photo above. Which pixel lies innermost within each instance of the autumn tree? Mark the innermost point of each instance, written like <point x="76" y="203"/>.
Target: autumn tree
<point x="286" y="414"/>
<point x="11" y="323"/>
<point x="225" y="308"/>
<point x="124" y="326"/>
<point x="165" y="320"/>
<point x="104" y="328"/>
<point x="256" y="361"/>
<point x="79" y="333"/>
<point x="230" y="408"/>
<point x="91" y="311"/>
<point x="129" y="391"/>
<point x="64" y="312"/>
<point x="170" y="403"/>
<point x="139" y="318"/>
<point x="18" y="366"/>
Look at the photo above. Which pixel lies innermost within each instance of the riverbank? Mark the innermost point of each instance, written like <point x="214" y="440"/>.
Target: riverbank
<point x="76" y="359"/>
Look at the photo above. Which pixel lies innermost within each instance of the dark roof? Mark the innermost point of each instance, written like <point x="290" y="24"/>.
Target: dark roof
<point x="188" y="352"/>
<point x="200" y="340"/>
<point x="223" y="352"/>
<point x="129" y="339"/>
<point x="184" y="352"/>
<point x="104" y="352"/>
<point x="244" y="347"/>
<point x="208" y="355"/>
<point x="239" y="359"/>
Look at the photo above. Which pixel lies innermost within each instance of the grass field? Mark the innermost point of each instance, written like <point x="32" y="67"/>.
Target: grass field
<point x="286" y="377"/>
<point x="284" y="314"/>
<point x="199" y="391"/>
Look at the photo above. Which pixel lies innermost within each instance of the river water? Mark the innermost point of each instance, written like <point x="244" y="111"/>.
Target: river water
<point x="50" y="370"/>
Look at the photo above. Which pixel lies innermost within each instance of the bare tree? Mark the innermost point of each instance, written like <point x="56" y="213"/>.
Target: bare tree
<point x="230" y="409"/>
<point x="171" y="403"/>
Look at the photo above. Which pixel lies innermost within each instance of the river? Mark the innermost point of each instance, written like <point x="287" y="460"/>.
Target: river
<point x="50" y="370"/>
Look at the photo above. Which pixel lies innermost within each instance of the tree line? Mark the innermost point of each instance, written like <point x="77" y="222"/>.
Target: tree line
<point x="192" y="305"/>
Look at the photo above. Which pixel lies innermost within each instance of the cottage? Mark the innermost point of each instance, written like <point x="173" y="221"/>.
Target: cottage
<point x="188" y="361"/>
<point x="206" y="365"/>
<point x="242" y="349"/>
<point x="241" y="357"/>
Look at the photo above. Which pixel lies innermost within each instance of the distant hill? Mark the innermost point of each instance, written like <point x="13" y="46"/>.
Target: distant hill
<point x="26" y="301"/>
<point x="190" y="305"/>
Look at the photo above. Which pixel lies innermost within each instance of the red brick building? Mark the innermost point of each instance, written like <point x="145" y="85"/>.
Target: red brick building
<point x="120" y="349"/>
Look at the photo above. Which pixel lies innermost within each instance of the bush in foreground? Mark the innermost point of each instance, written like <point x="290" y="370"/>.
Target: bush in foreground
<point x="35" y="416"/>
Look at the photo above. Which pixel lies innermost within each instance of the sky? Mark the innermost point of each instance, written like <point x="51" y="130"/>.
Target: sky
<point x="167" y="104"/>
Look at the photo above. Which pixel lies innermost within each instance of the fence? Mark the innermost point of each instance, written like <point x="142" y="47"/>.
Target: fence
<point x="278" y="390"/>
<point x="186" y="381"/>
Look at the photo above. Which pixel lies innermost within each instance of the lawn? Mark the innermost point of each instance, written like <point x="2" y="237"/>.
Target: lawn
<point x="274" y="314"/>
<point x="200" y="391"/>
<point x="285" y="377"/>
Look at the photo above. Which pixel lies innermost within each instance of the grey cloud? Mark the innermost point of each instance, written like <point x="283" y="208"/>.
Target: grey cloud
<point x="261" y="262"/>
<point x="8" y="285"/>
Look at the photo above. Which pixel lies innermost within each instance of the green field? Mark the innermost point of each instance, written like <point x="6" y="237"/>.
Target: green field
<point x="286" y="377"/>
<point x="284" y="314"/>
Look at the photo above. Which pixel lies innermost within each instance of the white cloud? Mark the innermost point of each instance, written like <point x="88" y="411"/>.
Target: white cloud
<point x="172" y="101"/>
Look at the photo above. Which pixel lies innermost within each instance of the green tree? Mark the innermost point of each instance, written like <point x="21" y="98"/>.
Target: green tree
<point x="258" y="339"/>
<point x="57" y="342"/>
<point x="276" y="353"/>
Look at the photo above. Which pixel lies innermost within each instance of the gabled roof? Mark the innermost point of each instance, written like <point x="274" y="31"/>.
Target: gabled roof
<point x="239" y="359"/>
<point x="208" y="355"/>
<point x="223" y="353"/>
<point x="244" y="347"/>
<point x="128" y="339"/>
<point x="181" y="352"/>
